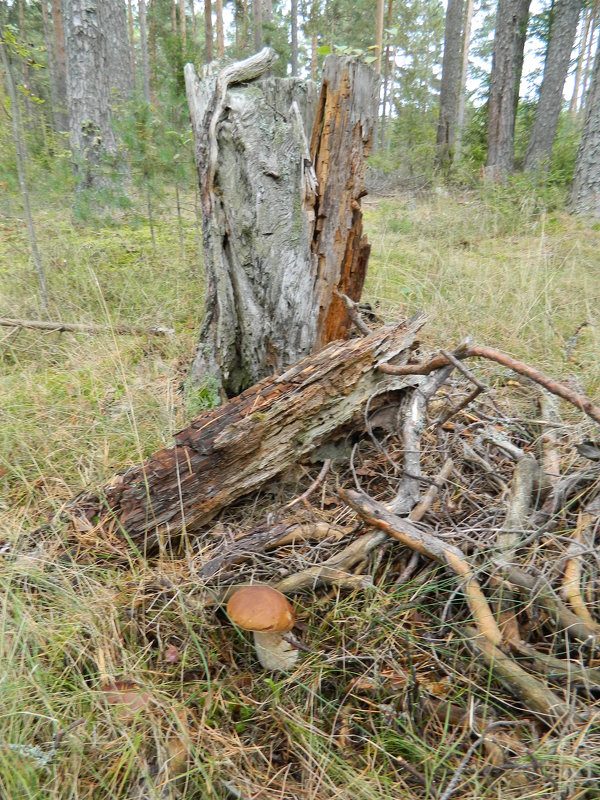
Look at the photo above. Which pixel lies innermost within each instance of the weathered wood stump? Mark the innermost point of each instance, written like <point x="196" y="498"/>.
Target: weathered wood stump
<point x="238" y="447"/>
<point x="281" y="222"/>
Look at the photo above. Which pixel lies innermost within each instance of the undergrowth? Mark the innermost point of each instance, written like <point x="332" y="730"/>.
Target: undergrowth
<point x="75" y="408"/>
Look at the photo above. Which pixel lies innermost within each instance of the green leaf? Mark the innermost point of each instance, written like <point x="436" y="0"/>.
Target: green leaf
<point x="324" y="50"/>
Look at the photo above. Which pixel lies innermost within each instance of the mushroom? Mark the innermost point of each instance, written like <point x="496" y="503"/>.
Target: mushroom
<point x="269" y="615"/>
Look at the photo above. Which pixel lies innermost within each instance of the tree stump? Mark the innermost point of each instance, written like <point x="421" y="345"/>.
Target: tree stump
<point x="278" y="237"/>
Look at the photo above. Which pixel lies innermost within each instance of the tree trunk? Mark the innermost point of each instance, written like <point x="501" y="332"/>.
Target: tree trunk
<point x="294" y="43"/>
<point x="587" y="69"/>
<point x="144" y="46"/>
<point x="16" y="136"/>
<point x="182" y="25"/>
<point x="238" y="447"/>
<point x="462" y="89"/>
<point x="51" y="67"/>
<point x="446" y="130"/>
<point x="131" y="41"/>
<point x="174" y="17"/>
<point x="220" y="36"/>
<point x="24" y="68"/>
<point x="587" y="18"/>
<point x="270" y="270"/>
<point x="113" y="19"/>
<point x="386" y="75"/>
<point x="257" y="24"/>
<point x="585" y="194"/>
<point x="60" y="65"/>
<point x="208" y="32"/>
<point x="508" y="56"/>
<point x="88" y="91"/>
<point x="379" y="34"/>
<point x="562" y="38"/>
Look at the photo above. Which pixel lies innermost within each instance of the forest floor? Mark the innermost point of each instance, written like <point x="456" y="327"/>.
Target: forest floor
<point x="115" y="681"/>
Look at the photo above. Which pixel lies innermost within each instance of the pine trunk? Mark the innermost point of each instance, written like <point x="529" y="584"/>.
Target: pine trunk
<point x="451" y="70"/>
<point x="88" y="91"/>
<point x="208" y="32"/>
<point x="587" y="18"/>
<point x="585" y="194"/>
<point x="562" y="38"/>
<point x="462" y="89"/>
<point x="274" y="252"/>
<point x="238" y="447"/>
<point x="113" y="18"/>
<point x="220" y="36"/>
<point x="506" y="67"/>
<point x="144" y="47"/>
<point x="60" y="63"/>
<point x="294" y="32"/>
<point x="257" y="24"/>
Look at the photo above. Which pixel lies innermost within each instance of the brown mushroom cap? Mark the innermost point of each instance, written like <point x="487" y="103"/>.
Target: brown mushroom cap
<point x="260" y="608"/>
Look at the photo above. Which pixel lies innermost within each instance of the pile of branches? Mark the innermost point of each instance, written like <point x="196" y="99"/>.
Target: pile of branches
<point x="483" y="483"/>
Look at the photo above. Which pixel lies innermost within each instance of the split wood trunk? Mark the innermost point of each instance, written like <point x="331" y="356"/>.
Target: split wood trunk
<point x="236" y="448"/>
<point x="281" y="222"/>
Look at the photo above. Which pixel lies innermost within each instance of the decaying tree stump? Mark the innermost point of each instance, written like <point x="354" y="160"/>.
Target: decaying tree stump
<point x="278" y="238"/>
<point x="234" y="449"/>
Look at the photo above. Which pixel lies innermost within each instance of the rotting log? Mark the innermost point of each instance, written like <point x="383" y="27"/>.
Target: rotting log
<point x="238" y="447"/>
<point x="278" y="238"/>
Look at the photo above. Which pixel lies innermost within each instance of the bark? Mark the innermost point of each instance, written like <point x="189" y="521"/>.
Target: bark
<point x="16" y="136"/>
<point x="587" y="69"/>
<point x="556" y="68"/>
<point x="113" y="19"/>
<point x="587" y="18"/>
<point x="462" y="89"/>
<point x="87" y="91"/>
<point x="182" y="25"/>
<point x="257" y="24"/>
<point x="451" y="72"/>
<point x="60" y="64"/>
<point x="585" y="194"/>
<point x="379" y="34"/>
<point x="238" y="447"/>
<point x="506" y="65"/>
<point x="386" y="75"/>
<point x="270" y="268"/>
<point x="144" y="47"/>
<point x="220" y="36"/>
<point x="174" y="17"/>
<point x="342" y="137"/>
<point x="294" y="43"/>
<point x="208" y="32"/>
<point x="56" y="113"/>
<point x="131" y="41"/>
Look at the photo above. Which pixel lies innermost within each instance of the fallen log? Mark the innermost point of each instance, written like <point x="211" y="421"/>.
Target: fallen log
<point x="236" y="448"/>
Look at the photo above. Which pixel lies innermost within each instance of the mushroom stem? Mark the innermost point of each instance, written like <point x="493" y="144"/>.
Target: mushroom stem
<point x="274" y="652"/>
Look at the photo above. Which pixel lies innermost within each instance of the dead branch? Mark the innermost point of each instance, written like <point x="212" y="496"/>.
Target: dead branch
<point x="525" y="479"/>
<point x="404" y="531"/>
<point x="541" y="591"/>
<point x="533" y="692"/>
<point x="79" y="327"/>
<point x="354" y="314"/>
<point x="580" y="401"/>
<point x="571" y="587"/>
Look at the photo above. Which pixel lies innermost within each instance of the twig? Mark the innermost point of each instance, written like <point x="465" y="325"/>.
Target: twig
<point x="536" y="694"/>
<point x="303" y="498"/>
<point x="580" y="401"/>
<point x="404" y="531"/>
<point x="571" y="589"/>
<point x="544" y="595"/>
<point x="525" y="478"/>
<point x="78" y="327"/>
<point x="353" y="312"/>
<point x="415" y="418"/>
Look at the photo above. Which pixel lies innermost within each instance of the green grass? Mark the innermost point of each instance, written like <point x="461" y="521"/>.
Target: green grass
<point x="76" y="408"/>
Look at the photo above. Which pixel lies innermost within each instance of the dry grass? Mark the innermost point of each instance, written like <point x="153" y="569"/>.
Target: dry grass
<point x="349" y="721"/>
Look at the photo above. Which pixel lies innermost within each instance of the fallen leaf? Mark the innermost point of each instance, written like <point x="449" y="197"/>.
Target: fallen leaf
<point x="128" y="699"/>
